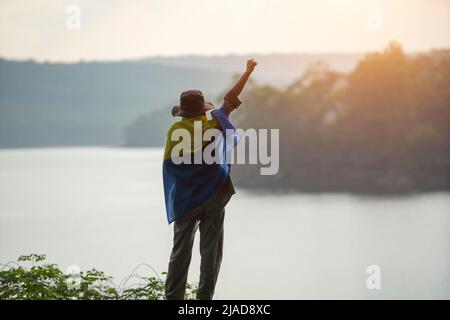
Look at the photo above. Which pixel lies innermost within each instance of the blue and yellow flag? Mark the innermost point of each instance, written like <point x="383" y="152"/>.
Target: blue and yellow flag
<point x="187" y="185"/>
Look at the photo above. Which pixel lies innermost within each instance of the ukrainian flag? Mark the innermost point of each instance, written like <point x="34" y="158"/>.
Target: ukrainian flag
<point x="187" y="185"/>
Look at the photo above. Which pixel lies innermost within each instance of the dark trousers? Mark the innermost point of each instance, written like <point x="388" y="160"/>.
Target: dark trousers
<point x="210" y="223"/>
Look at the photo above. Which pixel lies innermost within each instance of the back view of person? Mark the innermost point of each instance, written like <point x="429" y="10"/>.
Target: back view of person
<point x="196" y="193"/>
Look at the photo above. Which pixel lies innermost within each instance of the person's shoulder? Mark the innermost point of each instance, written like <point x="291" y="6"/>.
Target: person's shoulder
<point x="211" y="123"/>
<point x="188" y="124"/>
<point x="179" y="124"/>
<point x="219" y="113"/>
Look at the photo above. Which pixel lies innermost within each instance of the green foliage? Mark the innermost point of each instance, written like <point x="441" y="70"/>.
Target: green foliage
<point x="44" y="281"/>
<point x="152" y="288"/>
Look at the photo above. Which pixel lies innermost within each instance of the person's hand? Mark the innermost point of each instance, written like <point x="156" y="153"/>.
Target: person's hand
<point x="251" y="64"/>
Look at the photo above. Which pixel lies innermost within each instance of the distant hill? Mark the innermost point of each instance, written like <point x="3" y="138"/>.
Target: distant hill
<point x="87" y="103"/>
<point x="91" y="103"/>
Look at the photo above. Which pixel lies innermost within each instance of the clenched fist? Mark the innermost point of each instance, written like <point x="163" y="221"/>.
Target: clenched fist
<point x="251" y="64"/>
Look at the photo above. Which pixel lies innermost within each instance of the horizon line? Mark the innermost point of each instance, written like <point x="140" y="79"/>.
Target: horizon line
<point x="207" y="55"/>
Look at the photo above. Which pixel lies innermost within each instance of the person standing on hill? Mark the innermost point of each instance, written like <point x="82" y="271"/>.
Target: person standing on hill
<point x="196" y="194"/>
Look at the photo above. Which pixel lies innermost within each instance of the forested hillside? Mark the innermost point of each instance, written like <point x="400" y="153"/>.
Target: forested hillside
<point x="45" y="104"/>
<point x="383" y="127"/>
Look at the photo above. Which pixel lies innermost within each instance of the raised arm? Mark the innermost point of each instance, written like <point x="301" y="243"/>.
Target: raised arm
<point x="231" y="100"/>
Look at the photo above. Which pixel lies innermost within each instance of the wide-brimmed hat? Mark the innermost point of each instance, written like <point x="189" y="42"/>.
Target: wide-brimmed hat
<point x="192" y="104"/>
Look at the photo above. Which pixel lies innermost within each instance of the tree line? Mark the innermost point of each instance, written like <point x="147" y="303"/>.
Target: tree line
<point x="384" y="127"/>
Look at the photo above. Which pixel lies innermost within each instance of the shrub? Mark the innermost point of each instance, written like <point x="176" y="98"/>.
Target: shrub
<point x="46" y="281"/>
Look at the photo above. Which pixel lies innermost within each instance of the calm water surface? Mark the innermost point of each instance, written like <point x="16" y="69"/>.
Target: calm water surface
<point x="103" y="208"/>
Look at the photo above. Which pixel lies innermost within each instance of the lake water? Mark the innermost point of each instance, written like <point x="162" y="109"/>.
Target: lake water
<point x="103" y="208"/>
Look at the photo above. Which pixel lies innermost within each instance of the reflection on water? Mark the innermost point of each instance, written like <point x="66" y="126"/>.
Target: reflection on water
<point x="104" y="207"/>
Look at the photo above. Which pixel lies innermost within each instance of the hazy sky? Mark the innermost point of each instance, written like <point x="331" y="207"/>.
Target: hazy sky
<point x="113" y="29"/>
